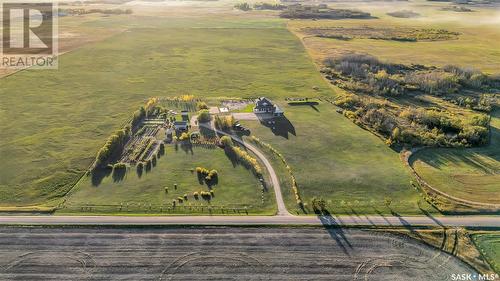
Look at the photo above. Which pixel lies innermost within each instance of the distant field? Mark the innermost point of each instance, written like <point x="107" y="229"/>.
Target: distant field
<point x="472" y="174"/>
<point x="333" y="159"/>
<point x="475" y="46"/>
<point x="53" y="122"/>
<point x="236" y="188"/>
<point x="489" y="245"/>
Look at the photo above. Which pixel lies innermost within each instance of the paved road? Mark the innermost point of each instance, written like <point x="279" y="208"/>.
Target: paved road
<point x="282" y="211"/>
<point x="450" y="221"/>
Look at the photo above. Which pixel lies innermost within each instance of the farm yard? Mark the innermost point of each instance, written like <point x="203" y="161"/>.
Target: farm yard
<point x="198" y="253"/>
<point x="162" y="162"/>
<point x="46" y="153"/>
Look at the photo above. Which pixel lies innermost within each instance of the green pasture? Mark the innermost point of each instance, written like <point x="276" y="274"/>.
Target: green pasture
<point x="332" y="158"/>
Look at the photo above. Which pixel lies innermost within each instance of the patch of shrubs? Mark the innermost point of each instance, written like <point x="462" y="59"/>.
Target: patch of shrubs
<point x="240" y="155"/>
<point x="430" y="126"/>
<point x="210" y="177"/>
<point x="204" y="116"/>
<point x="321" y="11"/>
<point x="359" y="72"/>
<point x="224" y="122"/>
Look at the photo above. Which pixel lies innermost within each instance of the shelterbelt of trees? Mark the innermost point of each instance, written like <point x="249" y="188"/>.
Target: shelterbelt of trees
<point x="388" y="98"/>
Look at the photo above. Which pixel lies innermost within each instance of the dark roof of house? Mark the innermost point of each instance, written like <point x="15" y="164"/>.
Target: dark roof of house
<point x="263" y="102"/>
<point x="180" y="124"/>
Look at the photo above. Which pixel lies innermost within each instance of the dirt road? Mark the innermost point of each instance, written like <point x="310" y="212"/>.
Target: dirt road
<point x="373" y="220"/>
<point x="218" y="253"/>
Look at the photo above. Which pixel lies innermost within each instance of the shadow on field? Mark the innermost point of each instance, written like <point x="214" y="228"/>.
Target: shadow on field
<point x="119" y="174"/>
<point x="99" y="174"/>
<point x="406" y="224"/>
<point x="312" y="104"/>
<point x="207" y="132"/>
<point x="187" y="147"/>
<point x="280" y="126"/>
<point x="335" y="230"/>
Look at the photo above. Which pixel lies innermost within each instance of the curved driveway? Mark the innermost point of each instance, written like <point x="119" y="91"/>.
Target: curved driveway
<point x="282" y="211"/>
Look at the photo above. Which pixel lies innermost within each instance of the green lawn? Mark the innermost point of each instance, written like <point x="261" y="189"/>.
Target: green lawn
<point x="334" y="159"/>
<point x="489" y="246"/>
<point x="53" y="122"/>
<point x="236" y="187"/>
<point x="472" y="174"/>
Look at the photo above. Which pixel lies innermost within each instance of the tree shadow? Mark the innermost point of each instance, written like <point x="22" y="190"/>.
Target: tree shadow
<point x="140" y="170"/>
<point x="98" y="174"/>
<point x="280" y="126"/>
<point x="119" y="174"/>
<point x="231" y="156"/>
<point x="207" y="132"/>
<point x="187" y="147"/>
<point x="406" y="224"/>
<point x="335" y="230"/>
<point x="312" y="104"/>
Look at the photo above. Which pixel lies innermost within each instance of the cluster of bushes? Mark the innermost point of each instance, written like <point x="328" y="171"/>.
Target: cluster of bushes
<point x="318" y="204"/>
<point x="243" y="6"/>
<point x="207" y="195"/>
<point x="241" y="155"/>
<point x="365" y="73"/>
<point x="421" y="126"/>
<point x="138" y="116"/>
<point x="298" y="11"/>
<point x="201" y="105"/>
<point x="204" y="116"/>
<point x="209" y="176"/>
<point x="184" y="136"/>
<point x="224" y="122"/>
<point x="295" y="188"/>
<point x="259" y="6"/>
<point x="112" y="146"/>
<point x="483" y="103"/>
<point x="187" y="102"/>
<point x="269" y="6"/>
<point x="404" y="14"/>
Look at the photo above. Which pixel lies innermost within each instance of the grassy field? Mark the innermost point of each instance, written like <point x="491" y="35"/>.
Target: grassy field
<point x="489" y="246"/>
<point x="467" y="173"/>
<point x="332" y="158"/>
<point x="472" y="174"/>
<point x="236" y="188"/>
<point x="53" y="122"/>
